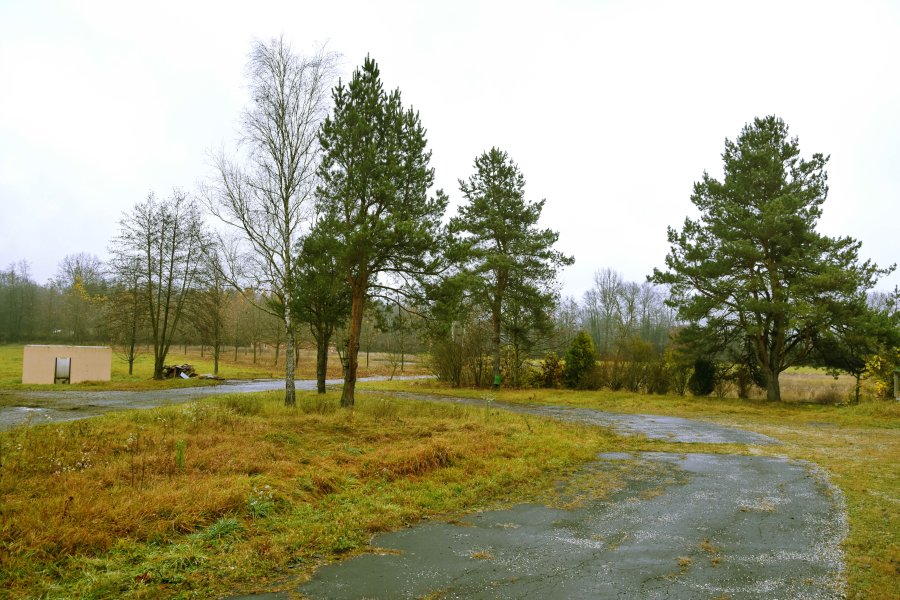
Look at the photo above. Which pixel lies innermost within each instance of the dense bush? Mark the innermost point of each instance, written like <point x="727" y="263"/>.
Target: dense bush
<point x="723" y="386"/>
<point x="703" y="381"/>
<point x="446" y="362"/>
<point x="615" y="375"/>
<point x="462" y="360"/>
<point x="638" y="355"/>
<point x="742" y="377"/>
<point x="680" y="374"/>
<point x="880" y="370"/>
<point x="551" y="375"/>
<point x="580" y="361"/>
<point x="658" y="377"/>
<point x="598" y="378"/>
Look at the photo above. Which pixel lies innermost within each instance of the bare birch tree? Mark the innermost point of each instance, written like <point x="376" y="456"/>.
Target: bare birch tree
<point x="264" y="195"/>
<point x="80" y="278"/>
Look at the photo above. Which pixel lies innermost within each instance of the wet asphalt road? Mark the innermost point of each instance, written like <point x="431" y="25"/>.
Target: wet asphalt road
<point x="685" y="525"/>
<point x="61" y="405"/>
<point x="730" y="527"/>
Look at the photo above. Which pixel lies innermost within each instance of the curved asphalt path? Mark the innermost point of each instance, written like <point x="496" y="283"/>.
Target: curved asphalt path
<point x="685" y="525"/>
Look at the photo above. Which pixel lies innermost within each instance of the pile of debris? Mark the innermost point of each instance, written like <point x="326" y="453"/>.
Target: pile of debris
<point x="182" y="371"/>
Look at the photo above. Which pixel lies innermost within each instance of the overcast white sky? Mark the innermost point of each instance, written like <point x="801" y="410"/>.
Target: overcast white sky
<point x="612" y="109"/>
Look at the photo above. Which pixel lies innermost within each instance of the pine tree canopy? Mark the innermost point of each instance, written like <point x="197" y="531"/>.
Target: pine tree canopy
<point x="509" y="260"/>
<point x="753" y="269"/>
<point x="373" y="200"/>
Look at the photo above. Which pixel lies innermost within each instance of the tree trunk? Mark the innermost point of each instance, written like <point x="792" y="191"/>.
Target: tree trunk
<point x="496" y="322"/>
<point x="773" y="388"/>
<point x="216" y="345"/>
<point x="131" y="360"/>
<point x="290" y="394"/>
<point x="495" y="348"/>
<point x="131" y="354"/>
<point x="321" y="361"/>
<point x="514" y="370"/>
<point x="132" y="340"/>
<point x="356" y="315"/>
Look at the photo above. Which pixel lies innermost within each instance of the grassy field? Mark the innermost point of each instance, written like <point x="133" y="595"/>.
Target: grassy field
<point x="237" y="493"/>
<point x="859" y="445"/>
<point x="231" y="366"/>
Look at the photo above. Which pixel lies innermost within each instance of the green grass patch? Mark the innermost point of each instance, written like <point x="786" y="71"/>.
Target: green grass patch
<point x="142" y="377"/>
<point x="241" y="365"/>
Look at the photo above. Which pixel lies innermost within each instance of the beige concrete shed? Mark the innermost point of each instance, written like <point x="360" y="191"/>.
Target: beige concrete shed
<point x="66" y="364"/>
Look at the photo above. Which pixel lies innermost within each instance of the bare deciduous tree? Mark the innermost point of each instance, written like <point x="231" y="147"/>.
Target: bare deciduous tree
<point x="164" y="241"/>
<point x="208" y="310"/>
<point x="265" y="194"/>
<point x="18" y="292"/>
<point x="615" y="310"/>
<point x="126" y="310"/>
<point x="608" y="285"/>
<point x="81" y="281"/>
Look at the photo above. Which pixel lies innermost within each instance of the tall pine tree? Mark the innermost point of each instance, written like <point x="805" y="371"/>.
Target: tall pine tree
<point x="503" y="249"/>
<point x="374" y="199"/>
<point x="753" y="269"/>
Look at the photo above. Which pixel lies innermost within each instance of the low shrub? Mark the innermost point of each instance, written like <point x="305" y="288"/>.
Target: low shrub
<point x="659" y="377"/>
<point x="703" y="381"/>
<point x="551" y="374"/>
<point x="580" y="360"/>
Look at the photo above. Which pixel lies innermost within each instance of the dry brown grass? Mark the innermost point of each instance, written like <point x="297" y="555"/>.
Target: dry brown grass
<point x="101" y="508"/>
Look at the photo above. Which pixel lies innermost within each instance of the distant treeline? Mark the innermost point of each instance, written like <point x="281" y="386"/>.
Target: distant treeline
<point x="83" y="304"/>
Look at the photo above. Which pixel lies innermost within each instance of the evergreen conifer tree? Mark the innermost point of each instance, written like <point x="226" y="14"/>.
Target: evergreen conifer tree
<point x="374" y="200"/>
